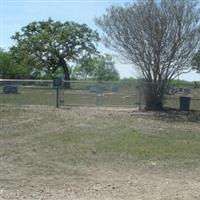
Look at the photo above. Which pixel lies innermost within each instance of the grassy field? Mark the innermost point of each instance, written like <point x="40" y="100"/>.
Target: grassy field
<point x="86" y="153"/>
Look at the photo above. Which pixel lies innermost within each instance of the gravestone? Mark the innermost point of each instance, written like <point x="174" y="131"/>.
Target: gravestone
<point x="10" y="89"/>
<point x="95" y="89"/>
<point x="115" y="88"/>
<point x="187" y="90"/>
<point x="185" y="103"/>
<point x="180" y="89"/>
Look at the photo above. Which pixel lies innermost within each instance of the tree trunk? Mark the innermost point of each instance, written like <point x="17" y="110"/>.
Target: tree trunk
<point x="65" y="67"/>
<point x="153" y="97"/>
<point x="67" y="84"/>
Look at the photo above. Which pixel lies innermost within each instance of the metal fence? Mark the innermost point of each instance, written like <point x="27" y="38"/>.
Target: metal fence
<point x="80" y="93"/>
<point x="27" y="92"/>
<point x="120" y="93"/>
<point x="173" y="94"/>
<point x="130" y="94"/>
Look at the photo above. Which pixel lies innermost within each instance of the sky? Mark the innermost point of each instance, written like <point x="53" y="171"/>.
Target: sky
<point x="14" y="14"/>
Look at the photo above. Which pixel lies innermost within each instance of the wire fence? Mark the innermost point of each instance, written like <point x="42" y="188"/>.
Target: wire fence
<point x="92" y="93"/>
<point x="130" y="94"/>
<point x="27" y="92"/>
<point x="173" y="95"/>
<point x="80" y="93"/>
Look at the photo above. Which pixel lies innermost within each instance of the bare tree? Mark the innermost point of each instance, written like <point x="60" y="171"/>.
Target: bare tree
<point x="158" y="37"/>
<point x="196" y="62"/>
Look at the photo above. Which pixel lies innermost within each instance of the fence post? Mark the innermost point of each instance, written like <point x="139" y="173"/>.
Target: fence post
<point x="101" y="93"/>
<point x="57" y="83"/>
<point x="57" y="98"/>
<point x="98" y="94"/>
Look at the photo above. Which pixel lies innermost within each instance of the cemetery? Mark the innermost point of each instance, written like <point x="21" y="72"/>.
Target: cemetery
<point x="81" y="122"/>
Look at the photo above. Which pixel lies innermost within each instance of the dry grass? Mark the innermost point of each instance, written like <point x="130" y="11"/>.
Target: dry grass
<point x="86" y="153"/>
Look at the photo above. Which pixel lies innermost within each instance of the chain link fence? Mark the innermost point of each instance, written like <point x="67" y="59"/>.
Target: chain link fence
<point x="130" y="94"/>
<point x="80" y="93"/>
<point x="92" y="93"/>
<point x="173" y="94"/>
<point x="27" y="92"/>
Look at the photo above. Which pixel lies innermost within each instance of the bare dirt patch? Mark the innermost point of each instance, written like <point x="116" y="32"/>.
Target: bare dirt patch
<point x="49" y="153"/>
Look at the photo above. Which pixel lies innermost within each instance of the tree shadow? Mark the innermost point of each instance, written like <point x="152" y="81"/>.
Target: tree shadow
<point x="170" y="114"/>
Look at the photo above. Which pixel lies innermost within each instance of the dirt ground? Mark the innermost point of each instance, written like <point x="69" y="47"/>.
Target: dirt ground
<point x="107" y="183"/>
<point x="86" y="181"/>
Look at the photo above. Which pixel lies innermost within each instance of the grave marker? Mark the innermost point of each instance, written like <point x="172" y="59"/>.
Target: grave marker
<point x="10" y="89"/>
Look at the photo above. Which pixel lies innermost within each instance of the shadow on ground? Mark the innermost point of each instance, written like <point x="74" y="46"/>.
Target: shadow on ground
<point x="173" y="115"/>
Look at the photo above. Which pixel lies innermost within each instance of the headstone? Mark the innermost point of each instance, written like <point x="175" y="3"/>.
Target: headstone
<point x="185" y="103"/>
<point x="10" y="89"/>
<point x="95" y="89"/>
<point x="115" y="88"/>
<point x="187" y="90"/>
<point x="172" y="90"/>
<point x="180" y="89"/>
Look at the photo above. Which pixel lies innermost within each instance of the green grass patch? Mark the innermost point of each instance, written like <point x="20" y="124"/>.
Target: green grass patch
<point x="171" y="147"/>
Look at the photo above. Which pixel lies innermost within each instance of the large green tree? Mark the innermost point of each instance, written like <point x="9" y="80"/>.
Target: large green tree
<point x="101" y="68"/>
<point x="9" y="69"/>
<point x="52" y="45"/>
<point x="158" y="37"/>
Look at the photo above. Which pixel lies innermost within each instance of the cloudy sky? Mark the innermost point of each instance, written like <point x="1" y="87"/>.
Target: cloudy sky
<point x="15" y="14"/>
